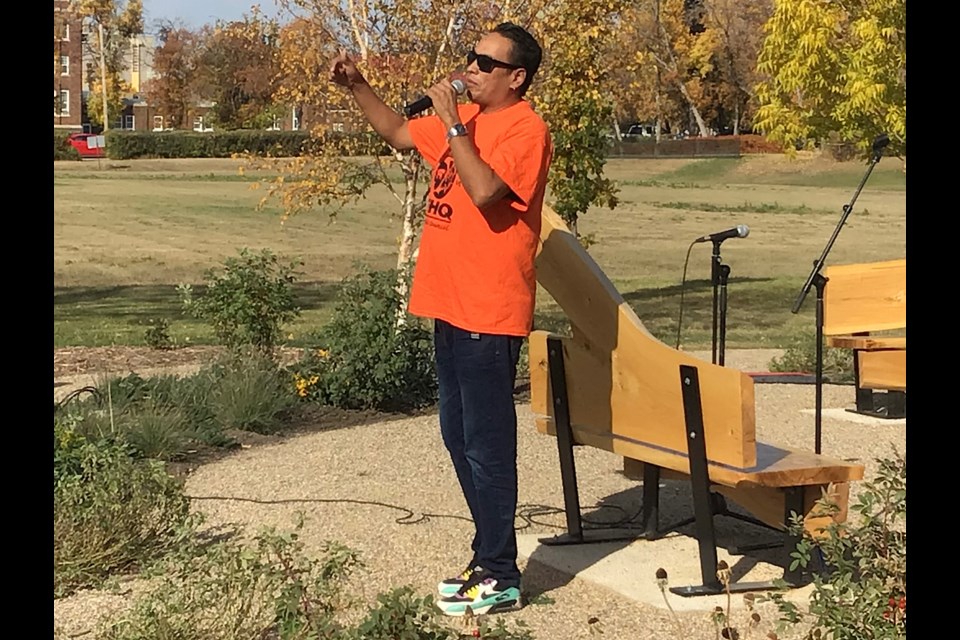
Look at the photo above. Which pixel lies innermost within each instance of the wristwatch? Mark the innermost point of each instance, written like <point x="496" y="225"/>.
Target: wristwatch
<point x="456" y="130"/>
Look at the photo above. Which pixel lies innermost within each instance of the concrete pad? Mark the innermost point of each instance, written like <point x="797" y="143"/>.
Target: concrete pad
<point x="849" y="416"/>
<point x="629" y="568"/>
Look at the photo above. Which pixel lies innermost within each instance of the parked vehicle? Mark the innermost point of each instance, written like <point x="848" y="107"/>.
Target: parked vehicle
<point x="80" y="142"/>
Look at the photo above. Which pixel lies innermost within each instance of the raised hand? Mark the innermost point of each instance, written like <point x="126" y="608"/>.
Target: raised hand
<point x="344" y="72"/>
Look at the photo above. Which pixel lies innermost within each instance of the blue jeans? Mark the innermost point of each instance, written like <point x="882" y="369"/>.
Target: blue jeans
<point x="478" y="422"/>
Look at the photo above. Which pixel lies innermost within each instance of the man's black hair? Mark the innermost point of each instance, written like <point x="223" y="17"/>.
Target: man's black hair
<point x="526" y="51"/>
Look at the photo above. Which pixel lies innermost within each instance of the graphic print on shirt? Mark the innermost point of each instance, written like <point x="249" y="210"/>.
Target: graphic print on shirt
<point x="440" y="213"/>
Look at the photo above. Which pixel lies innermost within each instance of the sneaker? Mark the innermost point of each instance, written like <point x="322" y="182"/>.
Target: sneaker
<point x="481" y="598"/>
<point x="451" y="585"/>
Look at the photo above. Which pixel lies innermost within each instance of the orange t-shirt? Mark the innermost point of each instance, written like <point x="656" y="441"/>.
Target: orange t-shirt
<point x="475" y="269"/>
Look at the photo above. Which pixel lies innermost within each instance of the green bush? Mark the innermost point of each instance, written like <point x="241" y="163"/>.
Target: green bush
<point x="365" y="360"/>
<point x="124" y="145"/>
<point x="249" y="302"/>
<point x="801" y="356"/>
<point x="227" y="590"/>
<point x="157" y="335"/>
<point x="62" y="149"/>
<point x="270" y="588"/>
<point x="112" y="513"/>
<point x="863" y="591"/>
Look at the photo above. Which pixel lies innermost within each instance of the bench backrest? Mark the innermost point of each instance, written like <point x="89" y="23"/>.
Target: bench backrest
<point x="623" y="385"/>
<point x="865" y="297"/>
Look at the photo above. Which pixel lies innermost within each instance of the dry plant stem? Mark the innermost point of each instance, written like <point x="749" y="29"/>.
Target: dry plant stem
<point x="726" y="621"/>
<point x="676" y="618"/>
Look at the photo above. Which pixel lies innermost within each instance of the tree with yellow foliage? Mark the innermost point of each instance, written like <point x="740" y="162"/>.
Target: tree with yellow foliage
<point x="671" y="39"/>
<point x="115" y="22"/>
<point x="402" y="47"/>
<point x="835" y="71"/>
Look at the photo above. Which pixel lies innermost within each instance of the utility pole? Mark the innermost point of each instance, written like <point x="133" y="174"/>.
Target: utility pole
<point x="103" y="79"/>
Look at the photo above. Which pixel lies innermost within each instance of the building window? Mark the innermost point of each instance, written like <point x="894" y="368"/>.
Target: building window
<point x="62" y="108"/>
<point x="158" y="123"/>
<point x="275" y="125"/>
<point x="66" y="32"/>
<point x="198" y="124"/>
<point x="62" y="30"/>
<point x="338" y="127"/>
<point x="64" y="65"/>
<point x="128" y="122"/>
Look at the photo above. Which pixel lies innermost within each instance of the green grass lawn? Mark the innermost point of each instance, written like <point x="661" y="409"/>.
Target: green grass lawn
<point x="127" y="233"/>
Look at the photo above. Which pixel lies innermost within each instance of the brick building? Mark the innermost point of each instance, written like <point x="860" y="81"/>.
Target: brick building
<point x="68" y="107"/>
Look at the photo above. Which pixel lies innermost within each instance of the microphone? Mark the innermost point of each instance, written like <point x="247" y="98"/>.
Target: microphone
<point x="739" y="231"/>
<point x="426" y="102"/>
<point x="880" y="142"/>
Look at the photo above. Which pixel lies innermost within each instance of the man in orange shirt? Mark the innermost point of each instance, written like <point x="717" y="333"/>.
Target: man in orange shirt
<point x="475" y="278"/>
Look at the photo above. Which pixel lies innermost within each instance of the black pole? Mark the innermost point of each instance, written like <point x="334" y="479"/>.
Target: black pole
<point x="715" y="262"/>
<point x="878" y="145"/>
<point x="722" y="349"/>
<point x="819" y="281"/>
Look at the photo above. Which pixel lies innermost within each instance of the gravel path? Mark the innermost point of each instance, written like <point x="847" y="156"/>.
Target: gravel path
<point x="356" y="485"/>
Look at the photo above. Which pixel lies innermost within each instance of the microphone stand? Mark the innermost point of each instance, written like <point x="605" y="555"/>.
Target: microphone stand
<point x="719" y="273"/>
<point x="819" y="281"/>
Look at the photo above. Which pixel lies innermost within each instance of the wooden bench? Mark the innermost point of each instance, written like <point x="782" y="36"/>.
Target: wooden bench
<point x="865" y="310"/>
<point x="613" y="386"/>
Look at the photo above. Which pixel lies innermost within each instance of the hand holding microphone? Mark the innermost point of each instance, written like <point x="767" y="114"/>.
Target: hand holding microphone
<point x="442" y="97"/>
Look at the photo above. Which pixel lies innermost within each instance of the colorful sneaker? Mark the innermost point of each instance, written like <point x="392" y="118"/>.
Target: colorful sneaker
<point x="481" y="598"/>
<point x="451" y="585"/>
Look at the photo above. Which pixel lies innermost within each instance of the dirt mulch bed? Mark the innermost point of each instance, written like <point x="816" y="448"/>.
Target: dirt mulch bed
<point x="73" y="361"/>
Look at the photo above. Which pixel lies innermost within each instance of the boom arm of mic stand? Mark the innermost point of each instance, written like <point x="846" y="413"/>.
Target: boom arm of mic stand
<point x="847" y="208"/>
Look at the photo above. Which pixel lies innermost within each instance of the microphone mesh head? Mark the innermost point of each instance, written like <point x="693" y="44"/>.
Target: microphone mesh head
<point x="458" y="85"/>
<point x="743" y="231"/>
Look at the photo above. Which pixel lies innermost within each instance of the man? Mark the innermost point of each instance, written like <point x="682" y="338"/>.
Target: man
<point x="475" y="278"/>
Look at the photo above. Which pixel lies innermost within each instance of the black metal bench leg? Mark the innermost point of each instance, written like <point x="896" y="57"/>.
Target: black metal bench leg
<point x="568" y="470"/>
<point x="702" y="503"/>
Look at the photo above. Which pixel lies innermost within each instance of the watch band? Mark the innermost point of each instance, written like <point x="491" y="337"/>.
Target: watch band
<point x="456" y="131"/>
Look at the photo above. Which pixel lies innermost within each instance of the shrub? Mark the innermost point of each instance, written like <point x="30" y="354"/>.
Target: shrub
<point x="401" y="614"/>
<point x="863" y="591"/>
<point x="228" y="590"/>
<point x="270" y="588"/>
<point x="157" y="335"/>
<point x="124" y="145"/>
<point x="111" y="513"/>
<point x="801" y="356"/>
<point x="62" y="149"/>
<point x="249" y="302"/>
<point x="367" y="361"/>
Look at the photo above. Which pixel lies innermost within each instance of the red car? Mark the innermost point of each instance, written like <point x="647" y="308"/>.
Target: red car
<point x="80" y="142"/>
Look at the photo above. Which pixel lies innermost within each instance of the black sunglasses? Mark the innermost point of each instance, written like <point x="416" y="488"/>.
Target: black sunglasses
<point x="486" y="64"/>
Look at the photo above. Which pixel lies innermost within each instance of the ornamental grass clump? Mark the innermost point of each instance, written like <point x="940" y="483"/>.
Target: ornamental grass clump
<point x="113" y="514"/>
